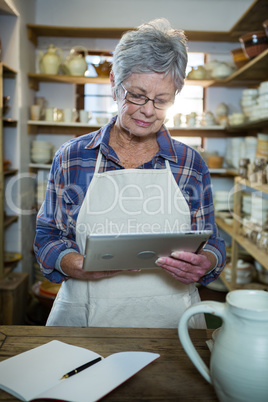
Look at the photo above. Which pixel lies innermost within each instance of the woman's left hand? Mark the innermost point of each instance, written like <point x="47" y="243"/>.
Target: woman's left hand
<point x="187" y="267"/>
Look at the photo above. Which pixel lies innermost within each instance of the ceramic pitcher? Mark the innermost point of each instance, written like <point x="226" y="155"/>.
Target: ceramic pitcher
<point x="75" y="63"/>
<point x="239" y="360"/>
<point x="49" y="63"/>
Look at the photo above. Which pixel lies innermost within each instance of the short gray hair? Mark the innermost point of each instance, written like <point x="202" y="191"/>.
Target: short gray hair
<point x="152" y="47"/>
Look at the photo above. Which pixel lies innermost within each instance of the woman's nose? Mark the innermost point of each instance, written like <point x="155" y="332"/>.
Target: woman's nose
<point x="148" y="109"/>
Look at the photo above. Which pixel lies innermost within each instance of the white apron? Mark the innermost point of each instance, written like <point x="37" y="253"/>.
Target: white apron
<point x="128" y="201"/>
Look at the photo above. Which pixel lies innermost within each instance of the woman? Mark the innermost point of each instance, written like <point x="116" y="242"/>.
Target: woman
<point x="134" y="153"/>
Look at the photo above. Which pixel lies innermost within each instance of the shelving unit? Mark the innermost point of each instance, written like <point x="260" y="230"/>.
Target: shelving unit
<point x="261" y="256"/>
<point x="5" y="221"/>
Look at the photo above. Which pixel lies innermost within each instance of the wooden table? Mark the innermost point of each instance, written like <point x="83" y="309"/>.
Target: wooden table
<point x="172" y="377"/>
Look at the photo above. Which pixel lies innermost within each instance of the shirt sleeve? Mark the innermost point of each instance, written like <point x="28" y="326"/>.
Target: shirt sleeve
<point x="55" y="226"/>
<point x="203" y="218"/>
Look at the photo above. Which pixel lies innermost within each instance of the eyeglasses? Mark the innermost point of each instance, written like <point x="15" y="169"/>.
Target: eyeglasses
<point x="139" y="99"/>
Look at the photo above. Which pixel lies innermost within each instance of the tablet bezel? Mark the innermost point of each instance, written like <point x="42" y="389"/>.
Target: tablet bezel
<point x="108" y="252"/>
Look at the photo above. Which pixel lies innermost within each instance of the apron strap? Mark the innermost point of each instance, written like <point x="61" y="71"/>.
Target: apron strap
<point x="98" y="163"/>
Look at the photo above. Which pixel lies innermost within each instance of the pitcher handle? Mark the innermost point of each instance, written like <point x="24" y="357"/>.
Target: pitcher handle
<point x="210" y="307"/>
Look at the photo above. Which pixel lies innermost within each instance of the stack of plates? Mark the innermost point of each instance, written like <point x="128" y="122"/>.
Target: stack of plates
<point x="262" y="146"/>
<point x="250" y="148"/>
<point x="244" y="272"/>
<point x="41" y="152"/>
<point x="236" y="151"/>
<point x="223" y="201"/>
<point x="260" y="110"/>
<point x="248" y="100"/>
<point x="246" y="204"/>
<point x="259" y="209"/>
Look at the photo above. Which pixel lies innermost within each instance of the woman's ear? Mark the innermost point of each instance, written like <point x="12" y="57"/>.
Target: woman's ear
<point x="112" y="85"/>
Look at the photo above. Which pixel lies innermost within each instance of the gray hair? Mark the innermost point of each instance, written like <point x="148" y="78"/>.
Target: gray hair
<point x="152" y="47"/>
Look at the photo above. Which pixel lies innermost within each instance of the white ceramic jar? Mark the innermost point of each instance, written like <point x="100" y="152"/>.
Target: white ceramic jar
<point x="239" y="360"/>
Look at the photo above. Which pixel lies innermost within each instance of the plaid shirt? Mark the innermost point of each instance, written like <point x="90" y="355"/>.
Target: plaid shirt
<point x="71" y="173"/>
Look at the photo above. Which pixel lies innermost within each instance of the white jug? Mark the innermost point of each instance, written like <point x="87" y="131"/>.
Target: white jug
<point x="75" y="63"/>
<point x="49" y="63"/>
<point x="239" y="360"/>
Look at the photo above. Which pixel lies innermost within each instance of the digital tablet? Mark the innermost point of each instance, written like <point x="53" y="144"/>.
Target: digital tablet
<point x="139" y="250"/>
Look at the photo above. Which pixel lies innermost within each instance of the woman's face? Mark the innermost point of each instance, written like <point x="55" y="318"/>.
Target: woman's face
<point x="144" y="120"/>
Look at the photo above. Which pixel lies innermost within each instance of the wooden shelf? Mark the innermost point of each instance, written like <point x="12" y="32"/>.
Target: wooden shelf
<point x="249" y="126"/>
<point x="259" y="255"/>
<point x="203" y="132"/>
<point x="227" y="228"/>
<point x="46" y="127"/>
<point x="223" y="172"/>
<point x="252" y="74"/>
<point x="252" y="19"/>
<point x="8" y="71"/>
<point x="239" y="241"/>
<point x="34" y="31"/>
<point x="10" y="172"/>
<point x="9" y="220"/>
<point x="37" y="166"/>
<point x="10" y="122"/>
<point x="251" y="285"/>
<point x="60" y="128"/>
<point x="246" y="183"/>
<point x="35" y="79"/>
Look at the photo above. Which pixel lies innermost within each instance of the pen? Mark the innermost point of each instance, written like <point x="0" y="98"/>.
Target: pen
<point x="81" y="368"/>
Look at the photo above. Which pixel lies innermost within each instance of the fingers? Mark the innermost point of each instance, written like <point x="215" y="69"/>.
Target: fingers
<point x="191" y="258"/>
<point x="185" y="267"/>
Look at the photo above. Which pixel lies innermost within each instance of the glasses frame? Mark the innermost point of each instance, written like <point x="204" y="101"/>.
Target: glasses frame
<point x="146" y="100"/>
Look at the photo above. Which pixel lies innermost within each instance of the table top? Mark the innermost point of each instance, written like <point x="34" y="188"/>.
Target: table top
<point x="172" y="377"/>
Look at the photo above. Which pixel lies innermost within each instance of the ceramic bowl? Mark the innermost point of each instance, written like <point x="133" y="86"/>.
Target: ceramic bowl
<point x="263" y="88"/>
<point x="103" y="69"/>
<point x="254" y="43"/>
<point x="102" y="120"/>
<point x="215" y="161"/>
<point x="250" y="92"/>
<point x="40" y="159"/>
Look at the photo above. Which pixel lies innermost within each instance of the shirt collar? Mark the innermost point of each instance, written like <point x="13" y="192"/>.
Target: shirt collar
<point x="101" y="139"/>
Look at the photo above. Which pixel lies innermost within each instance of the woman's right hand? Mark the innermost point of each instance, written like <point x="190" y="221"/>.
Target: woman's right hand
<point x="72" y="265"/>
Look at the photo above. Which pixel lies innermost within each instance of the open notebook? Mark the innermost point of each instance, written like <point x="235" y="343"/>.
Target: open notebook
<point x="36" y="374"/>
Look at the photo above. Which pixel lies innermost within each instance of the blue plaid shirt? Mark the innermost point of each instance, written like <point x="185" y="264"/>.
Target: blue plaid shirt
<point x="71" y="173"/>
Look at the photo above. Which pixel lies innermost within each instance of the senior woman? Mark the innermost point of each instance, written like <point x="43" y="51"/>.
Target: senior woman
<point x="134" y="153"/>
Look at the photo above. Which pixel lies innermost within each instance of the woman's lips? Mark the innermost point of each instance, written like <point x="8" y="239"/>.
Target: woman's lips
<point x="143" y="123"/>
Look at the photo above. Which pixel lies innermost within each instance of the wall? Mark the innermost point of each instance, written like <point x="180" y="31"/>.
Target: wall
<point x="207" y="15"/>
